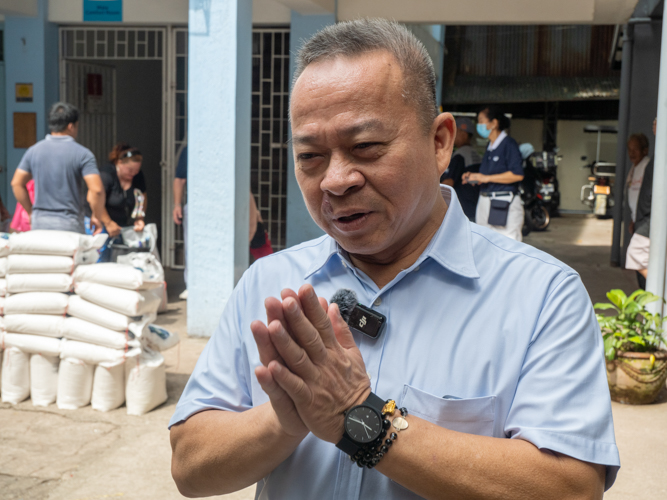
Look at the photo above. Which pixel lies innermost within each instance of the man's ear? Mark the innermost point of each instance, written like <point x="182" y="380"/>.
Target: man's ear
<point x="445" y="133"/>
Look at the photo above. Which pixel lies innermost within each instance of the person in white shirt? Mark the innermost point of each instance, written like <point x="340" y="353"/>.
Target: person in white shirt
<point x="638" y="153"/>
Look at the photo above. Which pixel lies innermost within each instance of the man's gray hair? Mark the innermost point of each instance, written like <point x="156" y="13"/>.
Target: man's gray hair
<point x="61" y="115"/>
<point x="354" y="38"/>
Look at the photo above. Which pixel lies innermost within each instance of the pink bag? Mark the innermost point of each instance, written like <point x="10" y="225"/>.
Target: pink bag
<point x="20" y="222"/>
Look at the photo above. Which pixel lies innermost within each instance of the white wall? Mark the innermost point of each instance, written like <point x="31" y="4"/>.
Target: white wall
<point x="573" y="144"/>
<point x="163" y="12"/>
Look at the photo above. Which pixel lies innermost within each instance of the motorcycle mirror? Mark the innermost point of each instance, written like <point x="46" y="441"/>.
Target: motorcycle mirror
<point x="584" y="158"/>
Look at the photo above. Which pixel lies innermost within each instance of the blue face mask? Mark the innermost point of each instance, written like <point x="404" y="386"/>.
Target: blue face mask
<point x="483" y="132"/>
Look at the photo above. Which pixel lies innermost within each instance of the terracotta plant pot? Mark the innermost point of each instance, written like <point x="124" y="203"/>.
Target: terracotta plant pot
<point x="632" y="379"/>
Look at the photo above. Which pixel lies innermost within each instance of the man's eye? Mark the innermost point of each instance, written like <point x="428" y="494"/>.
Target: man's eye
<point x="365" y="145"/>
<point x="305" y="156"/>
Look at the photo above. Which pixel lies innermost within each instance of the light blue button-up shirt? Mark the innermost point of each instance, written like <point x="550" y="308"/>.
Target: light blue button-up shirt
<point x="485" y="335"/>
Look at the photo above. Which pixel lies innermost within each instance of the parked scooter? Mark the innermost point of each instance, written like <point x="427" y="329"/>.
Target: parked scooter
<point x="539" y="188"/>
<point x="599" y="192"/>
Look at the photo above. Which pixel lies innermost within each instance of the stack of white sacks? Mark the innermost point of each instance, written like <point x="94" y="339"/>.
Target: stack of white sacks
<point x="96" y="346"/>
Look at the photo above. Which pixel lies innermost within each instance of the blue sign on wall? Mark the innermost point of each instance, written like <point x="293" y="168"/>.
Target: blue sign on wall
<point x="103" y="10"/>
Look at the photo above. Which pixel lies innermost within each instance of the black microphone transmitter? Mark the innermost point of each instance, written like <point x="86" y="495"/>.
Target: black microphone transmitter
<point x="366" y="321"/>
<point x="359" y="318"/>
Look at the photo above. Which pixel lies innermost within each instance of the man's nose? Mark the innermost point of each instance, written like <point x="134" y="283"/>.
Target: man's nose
<point x="341" y="176"/>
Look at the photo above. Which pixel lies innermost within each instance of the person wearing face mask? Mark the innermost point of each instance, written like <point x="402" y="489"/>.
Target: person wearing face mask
<point x="499" y="206"/>
<point x="125" y="188"/>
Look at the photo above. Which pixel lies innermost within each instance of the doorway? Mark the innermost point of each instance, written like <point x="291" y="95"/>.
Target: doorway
<point x="116" y="77"/>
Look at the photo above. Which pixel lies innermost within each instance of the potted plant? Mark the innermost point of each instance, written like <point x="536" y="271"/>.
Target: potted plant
<point x="636" y="365"/>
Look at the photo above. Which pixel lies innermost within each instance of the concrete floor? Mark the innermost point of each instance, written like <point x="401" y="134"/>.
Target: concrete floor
<point x="54" y="454"/>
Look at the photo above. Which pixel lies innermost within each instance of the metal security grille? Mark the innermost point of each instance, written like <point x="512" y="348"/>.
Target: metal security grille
<point x="112" y="43"/>
<point x="179" y="101"/>
<point x="270" y="100"/>
<point x="83" y="45"/>
<point x="97" y="120"/>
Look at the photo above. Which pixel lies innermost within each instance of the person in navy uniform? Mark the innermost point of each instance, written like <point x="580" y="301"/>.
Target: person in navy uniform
<point x="499" y="206"/>
<point x="465" y="159"/>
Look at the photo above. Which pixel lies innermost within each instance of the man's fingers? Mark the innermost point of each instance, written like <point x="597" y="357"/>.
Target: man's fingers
<point x="288" y="292"/>
<point x="280" y="400"/>
<point x="340" y="328"/>
<point x="303" y="330"/>
<point x="317" y="315"/>
<point x="267" y="351"/>
<point x="294" y="386"/>
<point x="274" y="310"/>
<point x="295" y="358"/>
<point x="323" y="303"/>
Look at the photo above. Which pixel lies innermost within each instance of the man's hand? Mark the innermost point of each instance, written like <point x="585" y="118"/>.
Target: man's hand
<point x="474" y="178"/>
<point x="139" y="225"/>
<point x="323" y="371"/>
<point x="282" y="404"/>
<point x="178" y="214"/>
<point x="112" y="228"/>
<point x="95" y="225"/>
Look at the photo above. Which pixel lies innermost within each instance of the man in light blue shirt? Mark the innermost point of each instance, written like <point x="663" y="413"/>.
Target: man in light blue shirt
<point x="491" y="348"/>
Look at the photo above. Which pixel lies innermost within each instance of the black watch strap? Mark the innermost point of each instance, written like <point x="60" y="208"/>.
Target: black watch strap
<point x="346" y="444"/>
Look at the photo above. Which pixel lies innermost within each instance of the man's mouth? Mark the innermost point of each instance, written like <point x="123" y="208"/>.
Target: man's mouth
<point x="351" y="218"/>
<point x="352" y="222"/>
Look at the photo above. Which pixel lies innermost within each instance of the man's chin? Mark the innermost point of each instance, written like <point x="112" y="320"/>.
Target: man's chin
<point x="362" y="245"/>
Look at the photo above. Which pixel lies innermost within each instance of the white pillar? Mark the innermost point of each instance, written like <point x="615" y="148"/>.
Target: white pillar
<point x="300" y="226"/>
<point x="219" y="86"/>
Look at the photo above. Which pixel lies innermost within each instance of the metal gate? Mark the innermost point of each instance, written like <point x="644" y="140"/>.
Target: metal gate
<point x="270" y="99"/>
<point x="90" y="43"/>
<point x="177" y="125"/>
<point x="268" y="148"/>
<point x="92" y="89"/>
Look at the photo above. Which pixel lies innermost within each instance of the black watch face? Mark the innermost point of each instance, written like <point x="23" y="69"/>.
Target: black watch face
<point x="363" y="425"/>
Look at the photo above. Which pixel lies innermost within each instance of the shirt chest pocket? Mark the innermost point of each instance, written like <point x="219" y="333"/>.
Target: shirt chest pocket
<point x="472" y="416"/>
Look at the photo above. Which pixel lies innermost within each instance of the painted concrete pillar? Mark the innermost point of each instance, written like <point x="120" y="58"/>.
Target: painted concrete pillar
<point x="31" y="56"/>
<point x="219" y="86"/>
<point x="300" y="226"/>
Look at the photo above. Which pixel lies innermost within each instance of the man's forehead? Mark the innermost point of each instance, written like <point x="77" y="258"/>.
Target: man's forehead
<point x="369" y="73"/>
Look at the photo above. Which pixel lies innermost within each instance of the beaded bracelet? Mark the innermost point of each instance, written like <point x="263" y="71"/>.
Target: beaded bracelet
<point x="371" y="454"/>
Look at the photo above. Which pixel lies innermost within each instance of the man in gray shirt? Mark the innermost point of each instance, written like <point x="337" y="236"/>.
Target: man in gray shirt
<point x="60" y="166"/>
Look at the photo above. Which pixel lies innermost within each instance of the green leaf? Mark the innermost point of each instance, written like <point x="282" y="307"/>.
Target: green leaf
<point x="637" y="340"/>
<point x="632" y="308"/>
<point x="646" y="298"/>
<point x="610" y="353"/>
<point x="617" y="297"/>
<point x="634" y="294"/>
<point x="604" y="305"/>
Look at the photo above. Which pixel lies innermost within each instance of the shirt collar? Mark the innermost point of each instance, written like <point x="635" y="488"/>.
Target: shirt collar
<point x="494" y="145"/>
<point x="451" y="246"/>
<point x="50" y="137"/>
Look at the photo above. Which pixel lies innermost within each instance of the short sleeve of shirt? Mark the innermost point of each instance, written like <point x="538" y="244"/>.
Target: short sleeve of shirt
<point x="88" y="164"/>
<point x="455" y="169"/>
<point x="220" y="380"/>
<point x="182" y="166"/>
<point x="25" y="163"/>
<point x="562" y="399"/>
<point x="514" y="160"/>
<point x="139" y="182"/>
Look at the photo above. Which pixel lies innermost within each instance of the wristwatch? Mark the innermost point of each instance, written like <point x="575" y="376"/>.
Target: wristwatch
<point x="363" y="425"/>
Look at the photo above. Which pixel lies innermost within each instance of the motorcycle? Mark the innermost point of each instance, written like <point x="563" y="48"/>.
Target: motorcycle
<point x="598" y="194"/>
<point x="539" y="189"/>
